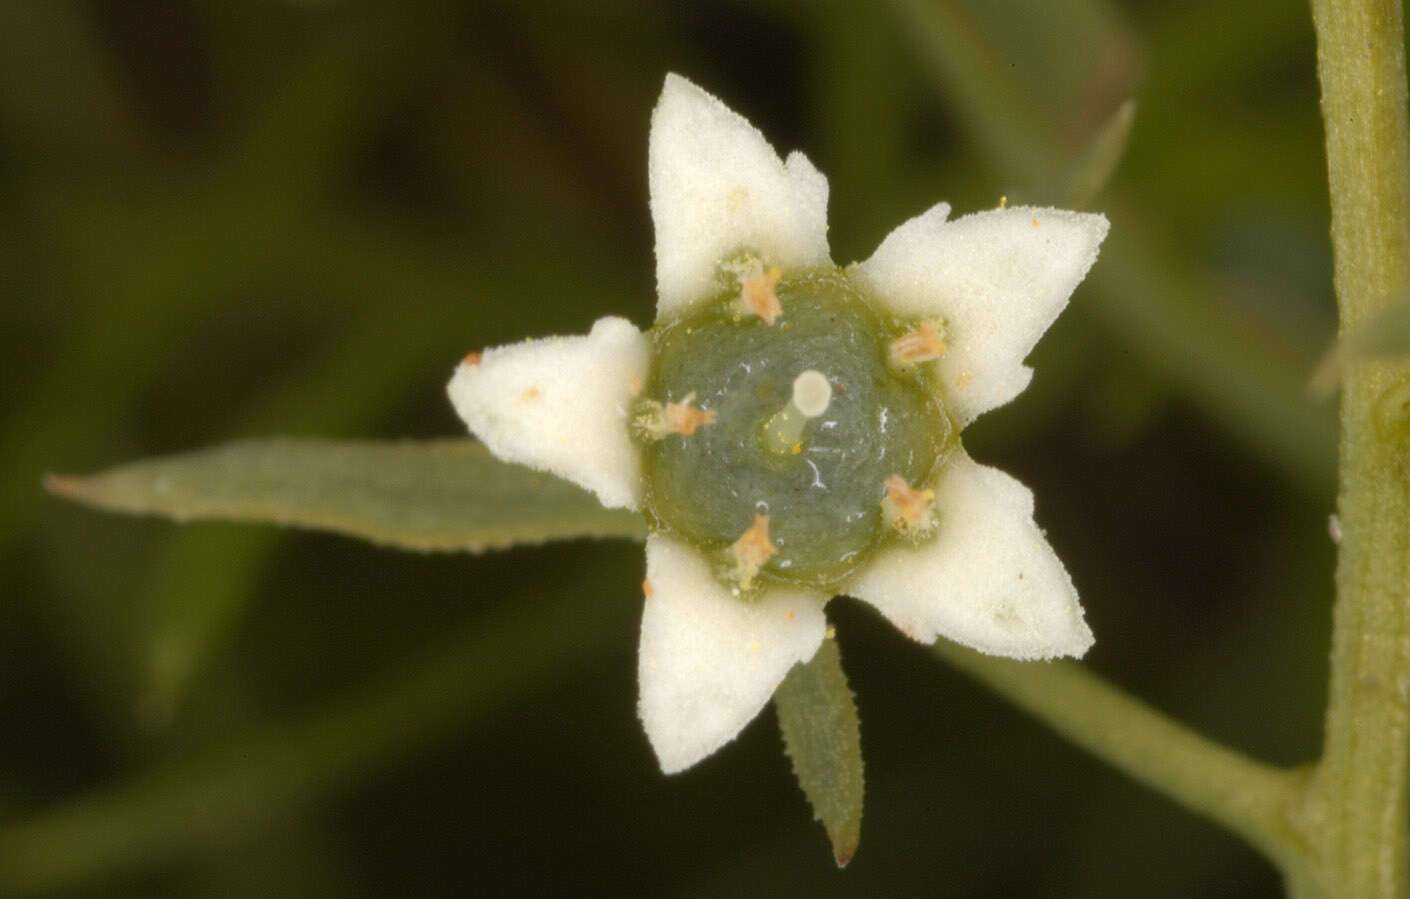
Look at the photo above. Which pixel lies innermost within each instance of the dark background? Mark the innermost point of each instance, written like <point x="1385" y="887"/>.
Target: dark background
<point x="225" y="219"/>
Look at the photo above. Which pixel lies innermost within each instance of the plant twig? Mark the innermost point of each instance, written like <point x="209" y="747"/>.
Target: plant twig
<point x="1357" y="809"/>
<point x="1255" y="800"/>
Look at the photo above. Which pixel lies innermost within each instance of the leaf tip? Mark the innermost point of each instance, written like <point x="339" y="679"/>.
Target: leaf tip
<point x="845" y="836"/>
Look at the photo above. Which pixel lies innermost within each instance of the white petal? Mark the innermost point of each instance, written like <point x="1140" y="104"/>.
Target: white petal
<point x="561" y="404"/>
<point x="709" y="660"/>
<point x="998" y="278"/>
<point x="988" y="580"/>
<point x="718" y="187"/>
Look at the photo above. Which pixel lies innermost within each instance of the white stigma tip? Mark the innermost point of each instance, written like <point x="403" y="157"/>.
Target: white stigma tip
<point x="812" y="393"/>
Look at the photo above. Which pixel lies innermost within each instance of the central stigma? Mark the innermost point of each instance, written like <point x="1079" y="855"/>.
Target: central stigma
<point x="784" y="436"/>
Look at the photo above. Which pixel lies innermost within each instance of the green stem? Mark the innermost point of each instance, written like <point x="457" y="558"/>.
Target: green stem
<point x="1257" y="801"/>
<point x="1357" y="808"/>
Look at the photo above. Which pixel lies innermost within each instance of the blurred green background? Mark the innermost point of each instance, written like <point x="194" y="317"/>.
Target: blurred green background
<point x="223" y="220"/>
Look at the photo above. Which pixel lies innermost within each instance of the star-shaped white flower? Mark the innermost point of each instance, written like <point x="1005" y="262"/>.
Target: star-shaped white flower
<point x="710" y="659"/>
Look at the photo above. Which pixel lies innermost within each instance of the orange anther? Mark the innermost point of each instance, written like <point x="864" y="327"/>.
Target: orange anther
<point x="751" y="551"/>
<point x="757" y="292"/>
<point x="684" y="417"/>
<point x="908" y="510"/>
<point x="921" y="345"/>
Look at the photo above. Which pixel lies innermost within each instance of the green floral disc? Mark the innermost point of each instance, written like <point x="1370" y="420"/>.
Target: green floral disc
<point x="823" y="493"/>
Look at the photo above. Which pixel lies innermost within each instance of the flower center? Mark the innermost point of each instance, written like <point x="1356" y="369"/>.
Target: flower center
<point x="788" y="446"/>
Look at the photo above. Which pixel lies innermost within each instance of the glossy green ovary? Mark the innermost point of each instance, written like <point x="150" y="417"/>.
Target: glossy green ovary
<point x="823" y="503"/>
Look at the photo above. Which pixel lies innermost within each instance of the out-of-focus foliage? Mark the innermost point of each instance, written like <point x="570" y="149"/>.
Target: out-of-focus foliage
<point x="229" y="220"/>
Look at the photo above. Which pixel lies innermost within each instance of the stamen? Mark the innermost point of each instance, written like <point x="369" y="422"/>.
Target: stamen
<point x="757" y="294"/>
<point x="911" y="512"/>
<point x="923" y="344"/>
<point x="750" y="552"/>
<point x="684" y="417"/>
<point x="656" y="421"/>
<point x="812" y="394"/>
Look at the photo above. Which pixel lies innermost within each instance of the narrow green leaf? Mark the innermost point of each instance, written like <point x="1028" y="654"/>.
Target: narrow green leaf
<point x="437" y="495"/>
<point x="1093" y="167"/>
<point x="823" y="738"/>
<point x="1385" y="333"/>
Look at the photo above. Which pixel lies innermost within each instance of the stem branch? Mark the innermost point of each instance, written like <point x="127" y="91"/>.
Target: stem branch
<point x="1255" y="800"/>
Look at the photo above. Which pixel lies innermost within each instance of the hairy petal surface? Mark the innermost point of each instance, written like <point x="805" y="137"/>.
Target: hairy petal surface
<point x="709" y="660"/>
<point x="998" y="279"/>
<point x="561" y="404"/>
<point x="717" y="187"/>
<point x="988" y="580"/>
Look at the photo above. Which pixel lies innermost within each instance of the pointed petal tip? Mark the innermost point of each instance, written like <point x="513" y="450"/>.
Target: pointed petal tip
<point x="1072" y="645"/>
<point x="676" y="83"/>
<point x="84" y="490"/>
<point x="1097" y="224"/>
<point x="675" y="753"/>
<point x="672" y="767"/>
<point x="59" y="484"/>
<point x="1082" y="645"/>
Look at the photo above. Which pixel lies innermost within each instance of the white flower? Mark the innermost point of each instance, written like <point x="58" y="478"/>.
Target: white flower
<point x="980" y="572"/>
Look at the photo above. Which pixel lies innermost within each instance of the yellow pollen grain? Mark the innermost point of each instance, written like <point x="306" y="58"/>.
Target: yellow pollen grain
<point x="758" y="294"/>
<point x="647" y="590"/>
<point x="531" y="394"/>
<point x="472" y="358"/>
<point x="796" y="448"/>
<point x="1035" y="223"/>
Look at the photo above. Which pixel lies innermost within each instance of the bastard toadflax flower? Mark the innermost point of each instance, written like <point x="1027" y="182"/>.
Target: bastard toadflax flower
<point x="791" y="428"/>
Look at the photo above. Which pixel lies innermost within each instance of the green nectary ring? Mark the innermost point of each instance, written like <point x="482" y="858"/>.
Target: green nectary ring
<point x="788" y="428"/>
